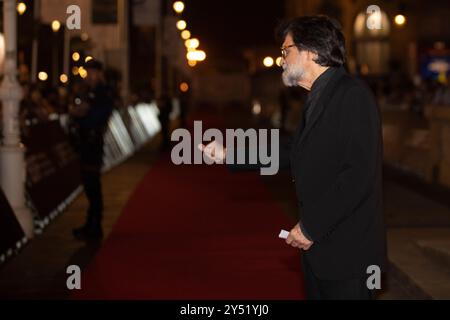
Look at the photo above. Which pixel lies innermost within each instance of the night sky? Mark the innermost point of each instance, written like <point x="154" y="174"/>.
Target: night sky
<point x="225" y="28"/>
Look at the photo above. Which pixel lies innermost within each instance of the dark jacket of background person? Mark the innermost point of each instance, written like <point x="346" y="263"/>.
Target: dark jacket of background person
<point x="92" y="126"/>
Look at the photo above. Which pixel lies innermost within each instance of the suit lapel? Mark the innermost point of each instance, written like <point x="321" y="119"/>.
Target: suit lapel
<point x="320" y="107"/>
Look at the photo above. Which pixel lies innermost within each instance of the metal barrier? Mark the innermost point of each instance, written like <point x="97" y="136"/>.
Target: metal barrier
<point x="53" y="179"/>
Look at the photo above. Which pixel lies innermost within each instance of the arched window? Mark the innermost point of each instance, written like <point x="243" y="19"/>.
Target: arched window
<point x="372" y="44"/>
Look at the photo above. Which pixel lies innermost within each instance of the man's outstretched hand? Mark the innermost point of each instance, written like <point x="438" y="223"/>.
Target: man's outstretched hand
<point x="214" y="151"/>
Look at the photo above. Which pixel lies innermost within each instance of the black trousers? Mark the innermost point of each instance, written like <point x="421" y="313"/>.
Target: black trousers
<point x="319" y="289"/>
<point x="91" y="159"/>
<point x="91" y="180"/>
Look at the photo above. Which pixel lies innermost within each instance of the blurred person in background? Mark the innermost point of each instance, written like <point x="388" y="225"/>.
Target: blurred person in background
<point x="91" y="109"/>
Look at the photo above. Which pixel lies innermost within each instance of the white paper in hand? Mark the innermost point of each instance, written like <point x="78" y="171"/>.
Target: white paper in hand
<point x="283" y="234"/>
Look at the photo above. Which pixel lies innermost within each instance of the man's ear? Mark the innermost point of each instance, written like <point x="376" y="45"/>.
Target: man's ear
<point x="312" y="56"/>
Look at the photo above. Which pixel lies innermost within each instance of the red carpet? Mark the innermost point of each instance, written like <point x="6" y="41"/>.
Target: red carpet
<point x="196" y="232"/>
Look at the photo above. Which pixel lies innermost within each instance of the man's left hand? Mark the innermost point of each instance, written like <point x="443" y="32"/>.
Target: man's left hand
<point x="297" y="239"/>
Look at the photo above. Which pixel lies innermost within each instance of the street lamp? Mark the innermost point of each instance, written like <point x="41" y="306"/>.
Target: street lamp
<point x="56" y="25"/>
<point x="75" y="56"/>
<point x="192" y="44"/>
<point x="185" y="34"/>
<point x="178" y="6"/>
<point x="12" y="151"/>
<point x="278" y="61"/>
<point x="184" y="87"/>
<point x="43" y="76"/>
<point x="400" y="20"/>
<point x="82" y="72"/>
<point x="63" y="78"/>
<point x="268" y="62"/>
<point x="197" y="55"/>
<point x="88" y="58"/>
<point x="21" y="8"/>
<point x="181" y="25"/>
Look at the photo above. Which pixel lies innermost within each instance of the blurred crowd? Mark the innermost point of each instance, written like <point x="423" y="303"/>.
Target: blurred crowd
<point x="43" y="102"/>
<point x="404" y="93"/>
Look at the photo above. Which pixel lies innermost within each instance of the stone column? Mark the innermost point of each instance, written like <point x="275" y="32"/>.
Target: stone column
<point x="12" y="163"/>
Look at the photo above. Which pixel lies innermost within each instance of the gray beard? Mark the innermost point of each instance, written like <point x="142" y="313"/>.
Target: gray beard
<point x="292" y="75"/>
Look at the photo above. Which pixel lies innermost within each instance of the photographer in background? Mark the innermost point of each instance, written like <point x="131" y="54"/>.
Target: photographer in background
<point x="91" y="110"/>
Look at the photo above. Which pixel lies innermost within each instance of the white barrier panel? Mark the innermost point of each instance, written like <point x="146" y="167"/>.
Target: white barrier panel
<point x="112" y="146"/>
<point x="148" y="114"/>
<point x="122" y="138"/>
<point x="137" y="128"/>
<point x="124" y="134"/>
<point x="143" y="126"/>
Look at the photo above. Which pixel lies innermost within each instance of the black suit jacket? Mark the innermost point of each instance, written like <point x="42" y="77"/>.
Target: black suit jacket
<point x="336" y="163"/>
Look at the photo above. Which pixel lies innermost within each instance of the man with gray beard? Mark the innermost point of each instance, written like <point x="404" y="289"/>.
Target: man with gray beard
<point x="335" y="158"/>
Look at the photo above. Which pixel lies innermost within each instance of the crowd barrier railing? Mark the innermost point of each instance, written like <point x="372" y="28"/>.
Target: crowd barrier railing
<point x="52" y="166"/>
